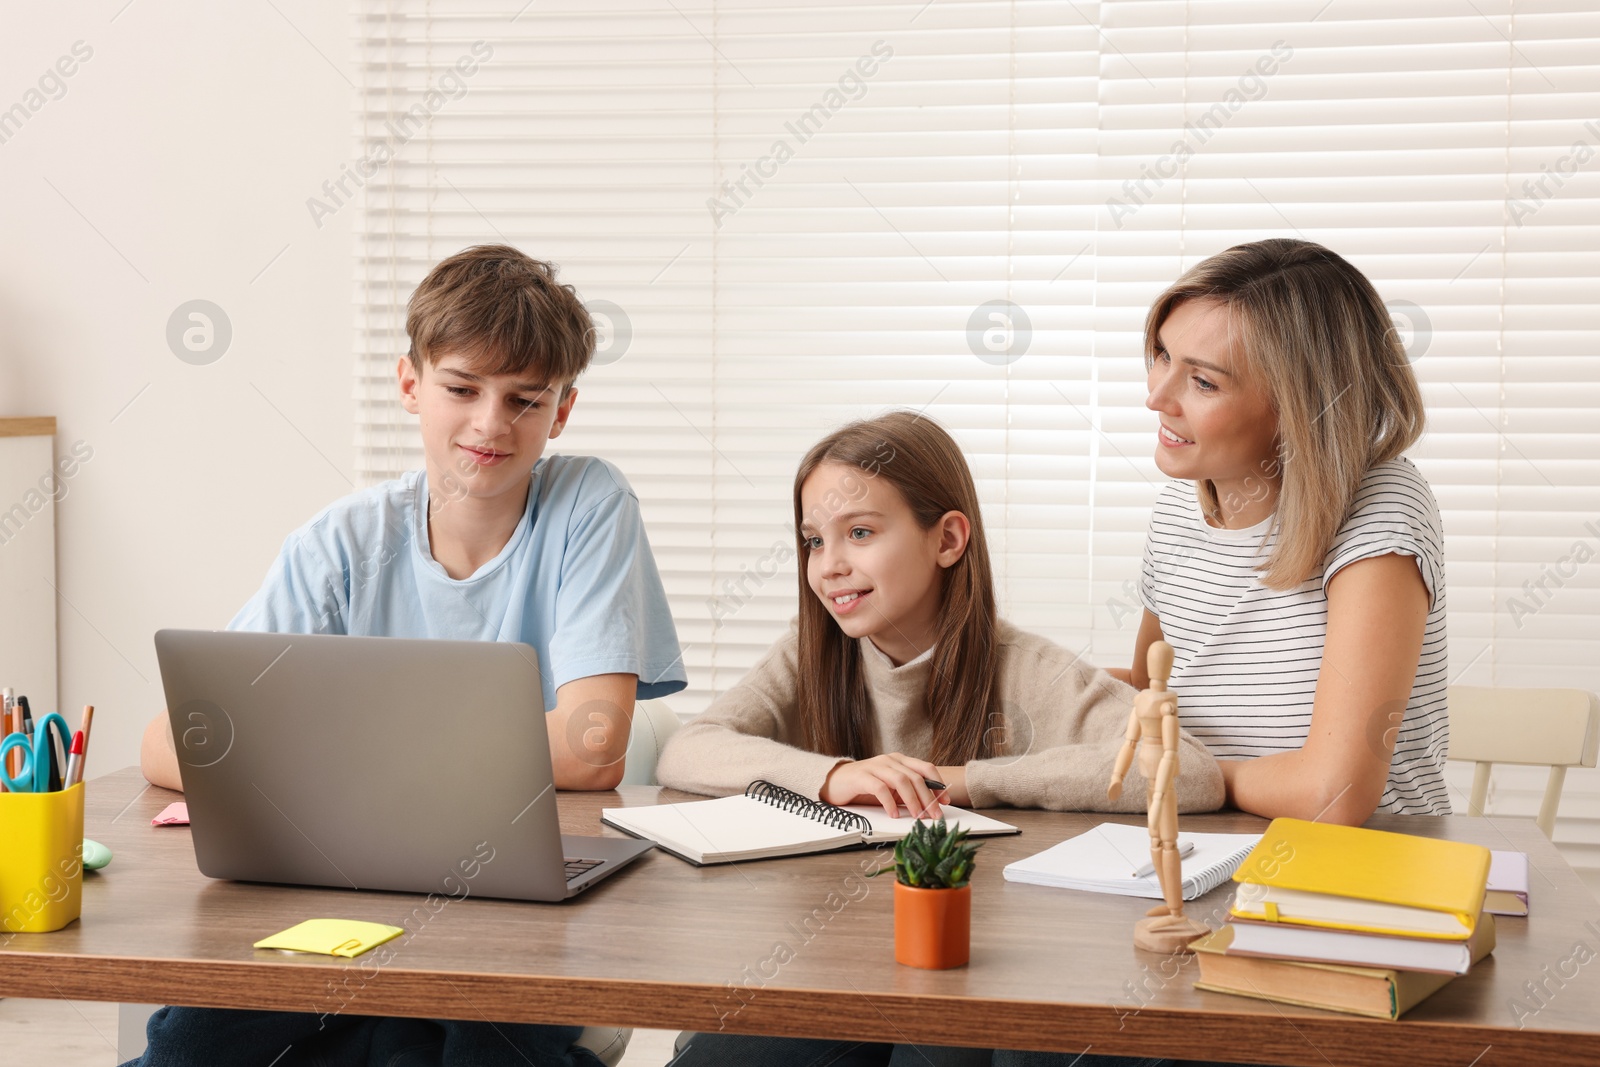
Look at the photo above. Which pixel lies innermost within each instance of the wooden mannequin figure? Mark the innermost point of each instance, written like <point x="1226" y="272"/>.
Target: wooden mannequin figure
<point x="1153" y="730"/>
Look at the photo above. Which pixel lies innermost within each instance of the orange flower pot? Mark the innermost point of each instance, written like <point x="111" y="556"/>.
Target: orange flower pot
<point x="932" y="927"/>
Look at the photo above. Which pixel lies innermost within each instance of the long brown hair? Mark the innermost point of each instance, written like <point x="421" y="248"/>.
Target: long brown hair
<point x="1318" y="337"/>
<point x="916" y="456"/>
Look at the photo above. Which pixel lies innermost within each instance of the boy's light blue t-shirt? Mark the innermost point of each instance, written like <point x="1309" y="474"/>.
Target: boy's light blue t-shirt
<point x="576" y="581"/>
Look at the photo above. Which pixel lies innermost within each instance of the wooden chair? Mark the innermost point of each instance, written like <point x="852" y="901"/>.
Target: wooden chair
<point x="1556" y="728"/>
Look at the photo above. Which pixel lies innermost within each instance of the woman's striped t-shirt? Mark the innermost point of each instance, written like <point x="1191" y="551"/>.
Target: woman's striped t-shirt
<point x="1247" y="657"/>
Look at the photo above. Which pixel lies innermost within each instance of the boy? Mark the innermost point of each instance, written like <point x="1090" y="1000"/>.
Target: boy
<point x="490" y="542"/>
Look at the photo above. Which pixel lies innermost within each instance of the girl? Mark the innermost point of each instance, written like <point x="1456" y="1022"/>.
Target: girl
<point x="1300" y="578"/>
<point x="898" y="673"/>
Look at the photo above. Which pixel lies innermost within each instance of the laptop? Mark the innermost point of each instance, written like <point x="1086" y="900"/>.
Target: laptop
<point x="373" y="763"/>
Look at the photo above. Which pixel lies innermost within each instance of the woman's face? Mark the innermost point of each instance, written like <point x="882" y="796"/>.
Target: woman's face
<point x="1216" y="423"/>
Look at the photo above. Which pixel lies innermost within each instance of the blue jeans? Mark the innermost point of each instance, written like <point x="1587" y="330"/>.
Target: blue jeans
<point x="739" y="1050"/>
<point x="204" y="1037"/>
<point x="744" y="1050"/>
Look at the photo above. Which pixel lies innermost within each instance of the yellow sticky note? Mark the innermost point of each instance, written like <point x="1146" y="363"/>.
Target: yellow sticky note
<point x="332" y="937"/>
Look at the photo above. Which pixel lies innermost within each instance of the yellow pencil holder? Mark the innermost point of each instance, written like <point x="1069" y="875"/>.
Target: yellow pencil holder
<point x="41" y="860"/>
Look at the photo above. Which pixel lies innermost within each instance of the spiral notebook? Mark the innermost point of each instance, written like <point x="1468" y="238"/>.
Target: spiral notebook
<point x="768" y="821"/>
<point x="1104" y="860"/>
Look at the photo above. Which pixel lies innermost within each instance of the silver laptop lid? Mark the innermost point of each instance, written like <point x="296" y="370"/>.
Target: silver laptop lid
<point x="365" y="762"/>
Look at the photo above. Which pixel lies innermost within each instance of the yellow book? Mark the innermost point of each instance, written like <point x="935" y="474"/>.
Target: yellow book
<point x="1349" y="878"/>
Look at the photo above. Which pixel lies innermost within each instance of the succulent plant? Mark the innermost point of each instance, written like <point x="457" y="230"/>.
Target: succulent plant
<point x="932" y="856"/>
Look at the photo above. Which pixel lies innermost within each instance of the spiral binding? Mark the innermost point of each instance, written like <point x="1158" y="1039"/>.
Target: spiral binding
<point x="821" y="811"/>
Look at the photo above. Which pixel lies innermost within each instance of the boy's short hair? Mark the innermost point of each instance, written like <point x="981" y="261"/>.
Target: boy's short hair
<point x="505" y="312"/>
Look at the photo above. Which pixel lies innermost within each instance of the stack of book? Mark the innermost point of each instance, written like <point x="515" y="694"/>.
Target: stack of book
<point x="1508" y="884"/>
<point x="1351" y="920"/>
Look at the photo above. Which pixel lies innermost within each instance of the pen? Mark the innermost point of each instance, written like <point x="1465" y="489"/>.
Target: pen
<point x="75" y="761"/>
<point x="933" y="785"/>
<point x="1184" y="849"/>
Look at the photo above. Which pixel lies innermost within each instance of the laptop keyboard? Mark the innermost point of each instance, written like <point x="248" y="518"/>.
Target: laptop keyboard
<point x="577" y="867"/>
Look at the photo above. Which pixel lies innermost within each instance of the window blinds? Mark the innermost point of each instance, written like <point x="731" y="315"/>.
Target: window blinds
<point x="790" y="215"/>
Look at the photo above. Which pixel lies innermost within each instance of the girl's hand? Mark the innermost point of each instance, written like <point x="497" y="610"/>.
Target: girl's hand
<point x="890" y="779"/>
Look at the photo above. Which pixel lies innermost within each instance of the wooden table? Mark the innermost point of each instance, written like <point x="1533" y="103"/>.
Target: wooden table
<point x="799" y="946"/>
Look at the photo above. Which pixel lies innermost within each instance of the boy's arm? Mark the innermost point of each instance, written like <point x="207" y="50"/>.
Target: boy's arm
<point x="304" y="592"/>
<point x="589" y="730"/>
<point x="158" y="756"/>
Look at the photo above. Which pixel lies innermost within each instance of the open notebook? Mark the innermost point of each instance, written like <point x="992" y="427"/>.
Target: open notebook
<point x="768" y="821"/>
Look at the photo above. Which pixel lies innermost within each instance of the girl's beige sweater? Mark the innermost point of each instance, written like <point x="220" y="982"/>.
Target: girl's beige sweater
<point x="1060" y="723"/>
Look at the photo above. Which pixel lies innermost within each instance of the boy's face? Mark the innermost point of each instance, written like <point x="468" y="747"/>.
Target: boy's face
<point x="481" y="434"/>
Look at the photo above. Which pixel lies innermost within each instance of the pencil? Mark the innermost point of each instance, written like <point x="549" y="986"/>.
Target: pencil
<point x="13" y="726"/>
<point x="6" y="728"/>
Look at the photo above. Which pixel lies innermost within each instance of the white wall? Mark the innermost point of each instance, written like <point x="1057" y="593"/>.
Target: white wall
<point x="190" y="140"/>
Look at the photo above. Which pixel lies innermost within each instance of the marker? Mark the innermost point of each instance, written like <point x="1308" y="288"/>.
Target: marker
<point x="1184" y="849"/>
<point x="83" y="728"/>
<point x="75" y="761"/>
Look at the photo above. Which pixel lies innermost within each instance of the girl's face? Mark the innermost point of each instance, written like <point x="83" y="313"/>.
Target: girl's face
<point x="876" y="571"/>
<point x="1215" y="423"/>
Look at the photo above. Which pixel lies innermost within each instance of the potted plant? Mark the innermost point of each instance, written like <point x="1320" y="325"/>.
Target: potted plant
<point x="932" y="897"/>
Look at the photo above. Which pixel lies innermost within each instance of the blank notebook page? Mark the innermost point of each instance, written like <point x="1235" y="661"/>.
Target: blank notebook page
<point x="887" y="829"/>
<point x="1103" y="860"/>
<point x="734" y="828"/>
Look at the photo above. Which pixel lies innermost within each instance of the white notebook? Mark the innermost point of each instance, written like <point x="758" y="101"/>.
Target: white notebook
<point x="768" y="821"/>
<point x="1104" y="859"/>
<point x="1282" y="941"/>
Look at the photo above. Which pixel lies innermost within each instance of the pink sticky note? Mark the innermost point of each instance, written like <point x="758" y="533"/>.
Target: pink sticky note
<point x="172" y="815"/>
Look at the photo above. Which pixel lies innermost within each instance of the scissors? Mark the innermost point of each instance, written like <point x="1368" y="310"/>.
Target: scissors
<point x="35" y="768"/>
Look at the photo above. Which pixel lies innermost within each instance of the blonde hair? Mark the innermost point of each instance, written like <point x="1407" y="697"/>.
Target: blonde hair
<point x="1317" y="337"/>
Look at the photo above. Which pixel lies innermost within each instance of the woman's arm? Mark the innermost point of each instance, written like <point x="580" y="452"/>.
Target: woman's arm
<point x="1066" y="722"/>
<point x="1377" y="610"/>
<point x="1149" y="634"/>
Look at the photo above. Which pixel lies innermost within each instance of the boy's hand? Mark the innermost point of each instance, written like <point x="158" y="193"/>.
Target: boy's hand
<point x="158" y="755"/>
<point x="892" y="779"/>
